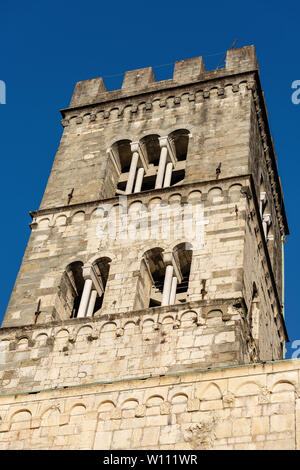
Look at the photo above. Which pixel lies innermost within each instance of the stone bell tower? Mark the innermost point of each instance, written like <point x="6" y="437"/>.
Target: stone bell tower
<point x="156" y="250"/>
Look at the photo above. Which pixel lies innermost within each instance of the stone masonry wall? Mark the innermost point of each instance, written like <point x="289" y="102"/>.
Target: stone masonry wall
<point x="219" y="125"/>
<point x="71" y="235"/>
<point x="154" y="341"/>
<point x="254" y="407"/>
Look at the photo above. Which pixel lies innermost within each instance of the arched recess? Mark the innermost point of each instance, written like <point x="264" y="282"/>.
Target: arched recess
<point x="120" y="155"/>
<point x="183" y="256"/>
<point x="179" y="140"/>
<point x="151" y="149"/>
<point x="101" y="268"/>
<point x="70" y="290"/>
<point x="150" y="283"/>
<point x="164" y="276"/>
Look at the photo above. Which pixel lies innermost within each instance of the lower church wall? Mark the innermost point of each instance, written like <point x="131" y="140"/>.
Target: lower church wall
<point x="244" y="407"/>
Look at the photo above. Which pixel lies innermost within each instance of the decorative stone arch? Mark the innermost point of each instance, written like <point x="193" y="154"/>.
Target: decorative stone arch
<point x="18" y="417"/>
<point x="106" y="405"/>
<point x="247" y="388"/>
<point x="78" y="217"/>
<point x="193" y="314"/>
<point x="179" y="402"/>
<point x="84" y="332"/>
<point x="211" y="391"/>
<point x="50" y="416"/>
<point x="194" y="196"/>
<point x="104" y="254"/>
<point x="130" y="327"/>
<point x="61" y="339"/>
<point x="282" y="386"/>
<point x="78" y="409"/>
<point x="215" y="195"/>
<point x="60" y="220"/>
<point x="148" y="325"/>
<point x="213" y="91"/>
<point x="175" y="198"/>
<point x="184" y="96"/>
<point x="41" y="338"/>
<point x="43" y="223"/>
<point x="234" y="192"/>
<point x="164" y="319"/>
<point x="215" y="312"/>
<point x="107" y="333"/>
<point x="72" y="119"/>
<point x="154" y="400"/>
<point x="22" y="342"/>
<point x="114" y="113"/>
<point x="129" y="403"/>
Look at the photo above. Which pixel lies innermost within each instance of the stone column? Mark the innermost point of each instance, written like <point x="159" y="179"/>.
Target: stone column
<point x="85" y="298"/>
<point x="167" y="285"/>
<point x="91" y="306"/>
<point x="161" y="166"/>
<point x="168" y="175"/>
<point x="262" y="202"/>
<point x="173" y="291"/>
<point x="132" y="172"/>
<point x="139" y="180"/>
<point x="266" y="223"/>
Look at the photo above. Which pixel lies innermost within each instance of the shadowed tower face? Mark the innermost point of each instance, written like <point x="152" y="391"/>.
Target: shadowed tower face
<point x="163" y="211"/>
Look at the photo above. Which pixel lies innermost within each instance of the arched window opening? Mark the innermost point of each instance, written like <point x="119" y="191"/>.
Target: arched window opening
<point x="82" y="288"/>
<point x="265" y="213"/>
<point x="151" y="148"/>
<point x="70" y="290"/>
<point x="102" y="269"/>
<point x="152" y="278"/>
<point x="95" y="280"/>
<point x="180" y="140"/>
<point x="164" y="276"/>
<point x="183" y="255"/>
<point x="122" y="152"/>
<point x="154" y="162"/>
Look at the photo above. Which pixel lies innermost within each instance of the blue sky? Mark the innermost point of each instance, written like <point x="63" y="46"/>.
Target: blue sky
<point x="47" y="47"/>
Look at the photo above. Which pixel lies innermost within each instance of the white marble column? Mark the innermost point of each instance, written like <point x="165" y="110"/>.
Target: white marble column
<point x="266" y="223"/>
<point x="173" y="291"/>
<point x="132" y="172"/>
<point x="92" y="301"/>
<point x="168" y="175"/>
<point x="139" y="180"/>
<point x="167" y="285"/>
<point x="161" y="167"/>
<point x="85" y="298"/>
<point x="262" y="202"/>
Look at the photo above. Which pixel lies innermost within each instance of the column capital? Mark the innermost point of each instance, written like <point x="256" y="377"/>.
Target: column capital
<point x="169" y="259"/>
<point x="263" y="196"/>
<point x="137" y="147"/>
<point x="267" y="219"/>
<point x="89" y="272"/>
<point x="165" y="141"/>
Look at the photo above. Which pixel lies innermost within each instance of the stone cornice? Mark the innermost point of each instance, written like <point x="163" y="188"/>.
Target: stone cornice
<point x="137" y="196"/>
